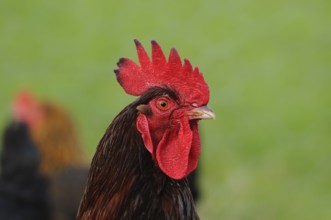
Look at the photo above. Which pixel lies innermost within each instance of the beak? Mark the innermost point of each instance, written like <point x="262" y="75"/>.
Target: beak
<point x="202" y="112"/>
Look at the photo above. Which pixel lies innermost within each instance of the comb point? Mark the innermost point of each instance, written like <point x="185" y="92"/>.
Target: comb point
<point x="137" y="43"/>
<point x="142" y="55"/>
<point x="187" y="67"/>
<point x="158" y="59"/>
<point x="174" y="59"/>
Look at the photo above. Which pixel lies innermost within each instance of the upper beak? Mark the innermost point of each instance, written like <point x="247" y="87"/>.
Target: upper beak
<point x="202" y="112"/>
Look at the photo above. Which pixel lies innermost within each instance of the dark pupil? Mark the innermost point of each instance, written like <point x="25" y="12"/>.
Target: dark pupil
<point x="163" y="104"/>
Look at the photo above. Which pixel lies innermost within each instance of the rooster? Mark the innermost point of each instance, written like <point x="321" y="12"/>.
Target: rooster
<point x="140" y="166"/>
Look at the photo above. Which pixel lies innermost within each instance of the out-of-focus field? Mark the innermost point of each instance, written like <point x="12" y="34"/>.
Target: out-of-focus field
<point x="268" y="64"/>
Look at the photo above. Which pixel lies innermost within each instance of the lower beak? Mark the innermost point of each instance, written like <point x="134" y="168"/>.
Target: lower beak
<point x="202" y="112"/>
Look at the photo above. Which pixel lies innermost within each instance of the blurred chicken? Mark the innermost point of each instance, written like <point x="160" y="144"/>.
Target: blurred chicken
<point x="53" y="131"/>
<point x="62" y="158"/>
<point x="23" y="190"/>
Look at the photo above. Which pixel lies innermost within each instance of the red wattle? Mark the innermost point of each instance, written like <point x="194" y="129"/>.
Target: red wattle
<point x="174" y="154"/>
<point x="178" y="151"/>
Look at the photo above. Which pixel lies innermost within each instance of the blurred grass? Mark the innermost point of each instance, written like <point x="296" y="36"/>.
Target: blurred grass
<point x="267" y="156"/>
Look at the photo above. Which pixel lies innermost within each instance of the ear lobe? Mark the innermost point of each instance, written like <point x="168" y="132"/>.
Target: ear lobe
<point x="143" y="128"/>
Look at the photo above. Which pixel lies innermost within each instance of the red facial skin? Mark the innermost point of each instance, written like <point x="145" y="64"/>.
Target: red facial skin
<point x="161" y="108"/>
<point x="169" y="135"/>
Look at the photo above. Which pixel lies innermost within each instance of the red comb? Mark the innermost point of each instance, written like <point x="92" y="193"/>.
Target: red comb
<point x="25" y="108"/>
<point x="24" y="99"/>
<point x="186" y="81"/>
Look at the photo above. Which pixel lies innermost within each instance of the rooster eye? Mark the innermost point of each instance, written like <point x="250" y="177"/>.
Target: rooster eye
<point x="163" y="104"/>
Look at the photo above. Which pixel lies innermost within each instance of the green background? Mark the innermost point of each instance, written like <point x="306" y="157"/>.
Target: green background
<point x="268" y="153"/>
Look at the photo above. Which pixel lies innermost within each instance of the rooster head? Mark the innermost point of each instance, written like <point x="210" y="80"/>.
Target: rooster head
<point x="27" y="109"/>
<point x="168" y="123"/>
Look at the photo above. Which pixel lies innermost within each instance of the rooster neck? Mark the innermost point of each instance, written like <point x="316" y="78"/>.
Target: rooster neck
<point x="125" y="182"/>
